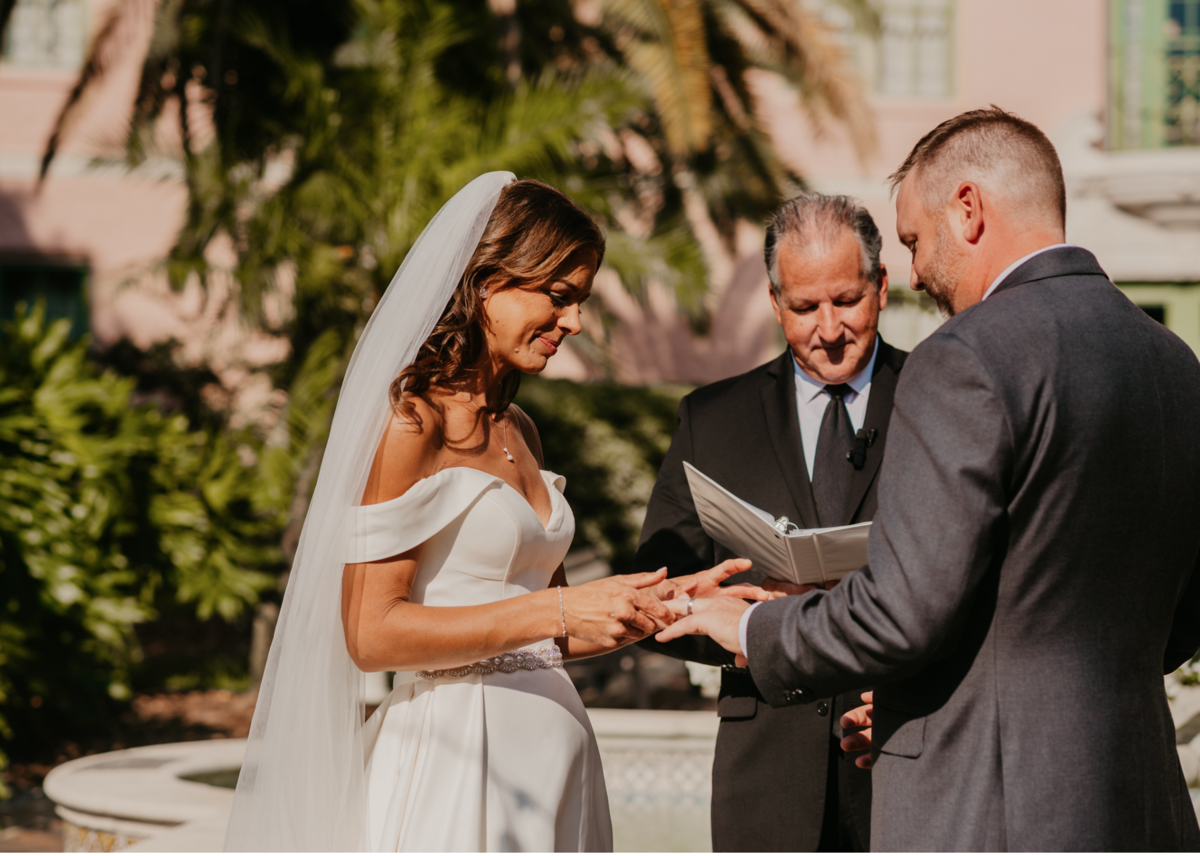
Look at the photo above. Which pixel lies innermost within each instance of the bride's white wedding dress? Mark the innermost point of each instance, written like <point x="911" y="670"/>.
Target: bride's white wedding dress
<point x="482" y="761"/>
<point x="498" y="761"/>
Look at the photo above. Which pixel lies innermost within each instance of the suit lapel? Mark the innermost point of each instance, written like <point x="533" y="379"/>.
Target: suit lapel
<point x="879" y="413"/>
<point x="779" y="408"/>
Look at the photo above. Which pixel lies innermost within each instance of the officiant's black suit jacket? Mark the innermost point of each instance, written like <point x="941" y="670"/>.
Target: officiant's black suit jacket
<point x="769" y="774"/>
<point x="1033" y="573"/>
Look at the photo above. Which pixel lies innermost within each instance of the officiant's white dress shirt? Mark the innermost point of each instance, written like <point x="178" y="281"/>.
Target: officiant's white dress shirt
<point x="812" y="399"/>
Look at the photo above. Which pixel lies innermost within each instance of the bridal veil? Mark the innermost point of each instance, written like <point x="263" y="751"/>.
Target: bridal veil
<point x="301" y="785"/>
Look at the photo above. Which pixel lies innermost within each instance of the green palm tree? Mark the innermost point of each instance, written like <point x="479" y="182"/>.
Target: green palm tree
<point x="690" y="58"/>
<point x="342" y="125"/>
<point x="694" y="55"/>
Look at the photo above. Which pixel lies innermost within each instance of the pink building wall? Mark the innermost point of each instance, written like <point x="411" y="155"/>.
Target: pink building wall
<point x="1045" y="61"/>
<point x="91" y="209"/>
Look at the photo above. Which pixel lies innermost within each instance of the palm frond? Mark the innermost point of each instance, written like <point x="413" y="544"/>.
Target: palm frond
<point x="670" y="257"/>
<point x="159" y="63"/>
<point x="112" y="40"/>
<point x="784" y="37"/>
<point x="664" y="41"/>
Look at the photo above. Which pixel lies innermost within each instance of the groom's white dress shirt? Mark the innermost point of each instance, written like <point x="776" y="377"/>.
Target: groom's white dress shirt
<point x="811" y="401"/>
<point x="1012" y="267"/>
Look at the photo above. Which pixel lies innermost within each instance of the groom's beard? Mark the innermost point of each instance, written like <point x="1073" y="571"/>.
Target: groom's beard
<point x="943" y="272"/>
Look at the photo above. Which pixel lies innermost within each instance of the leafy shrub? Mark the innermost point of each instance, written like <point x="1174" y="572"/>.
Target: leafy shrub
<point x="108" y="512"/>
<point x="609" y="442"/>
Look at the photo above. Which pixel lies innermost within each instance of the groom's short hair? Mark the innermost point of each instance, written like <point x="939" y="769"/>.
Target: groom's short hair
<point x="1001" y="152"/>
<point x="812" y="222"/>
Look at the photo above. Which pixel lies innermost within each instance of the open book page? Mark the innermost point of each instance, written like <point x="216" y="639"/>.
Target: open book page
<point x="832" y="552"/>
<point x="739" y="526"/>
<point x="804" y="557"/>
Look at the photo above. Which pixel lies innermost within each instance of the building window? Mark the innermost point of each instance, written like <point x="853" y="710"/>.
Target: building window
<point x="61" y="286"/>
<point x="906" y="51"/>
<point x="1182" y="118"/>
<point x="916" y="49"/>
<point x="1156" y="311"/>
<point x="1154" y="73"/>
<point x="1175" y="305"/>
<point x="46" y="34"/>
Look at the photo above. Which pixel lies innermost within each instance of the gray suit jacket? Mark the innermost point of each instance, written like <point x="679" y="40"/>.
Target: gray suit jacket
<point x="1032" y="576"/>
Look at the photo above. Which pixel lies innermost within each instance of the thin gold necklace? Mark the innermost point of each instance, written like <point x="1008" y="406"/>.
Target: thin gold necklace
<point x="503" y="426"/>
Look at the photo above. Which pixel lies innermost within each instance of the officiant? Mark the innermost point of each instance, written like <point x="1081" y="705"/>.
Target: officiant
<point x="801" y="437"/>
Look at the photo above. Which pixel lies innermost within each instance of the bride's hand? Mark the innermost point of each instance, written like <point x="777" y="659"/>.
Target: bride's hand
<point x="615" y="610"/>
<point x="708" y="584"/>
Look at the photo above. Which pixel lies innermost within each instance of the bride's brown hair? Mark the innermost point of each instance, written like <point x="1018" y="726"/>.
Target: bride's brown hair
<point x="533" y="229"/>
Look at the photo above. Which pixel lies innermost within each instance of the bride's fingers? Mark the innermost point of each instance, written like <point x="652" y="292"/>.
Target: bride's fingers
<point x="653" y="607"/>
<point x="642" y="580"/>
<point x="640" y="622"/>
<point x="642" y="614"/>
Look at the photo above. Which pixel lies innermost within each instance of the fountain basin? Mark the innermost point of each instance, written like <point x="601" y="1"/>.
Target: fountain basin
<point x="117" y="800"/>
<point x="176" y="797"/>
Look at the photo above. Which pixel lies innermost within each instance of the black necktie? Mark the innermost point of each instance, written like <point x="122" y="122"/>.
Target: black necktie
<point x="831" y="470"/>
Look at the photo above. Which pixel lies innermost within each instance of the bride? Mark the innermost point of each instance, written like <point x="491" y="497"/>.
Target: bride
<point x="433" y="548"/>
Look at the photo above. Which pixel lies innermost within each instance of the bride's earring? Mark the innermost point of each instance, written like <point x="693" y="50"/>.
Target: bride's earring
<point x="483" y="292"/>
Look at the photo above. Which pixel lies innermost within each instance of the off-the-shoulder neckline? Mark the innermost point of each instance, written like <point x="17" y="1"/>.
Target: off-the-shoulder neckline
<point x="554" y="508"/>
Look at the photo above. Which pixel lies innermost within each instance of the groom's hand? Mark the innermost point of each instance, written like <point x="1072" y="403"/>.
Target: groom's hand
<point x="717" y="617"/>
<point x="859" y="741"/>
<point x="708" y="584"/>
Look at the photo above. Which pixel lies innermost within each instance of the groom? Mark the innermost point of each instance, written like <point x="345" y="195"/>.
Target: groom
<point x="1033" y="566"/>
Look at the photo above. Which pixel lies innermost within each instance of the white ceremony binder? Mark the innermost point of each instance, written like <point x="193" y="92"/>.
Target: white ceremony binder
<point x="785" y="552"/>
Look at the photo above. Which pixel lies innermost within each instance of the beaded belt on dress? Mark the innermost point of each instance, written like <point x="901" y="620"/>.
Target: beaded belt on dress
<point x="547" y="657"/>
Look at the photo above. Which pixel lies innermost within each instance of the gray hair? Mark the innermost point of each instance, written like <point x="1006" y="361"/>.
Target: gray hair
<point x="813" y="221"/>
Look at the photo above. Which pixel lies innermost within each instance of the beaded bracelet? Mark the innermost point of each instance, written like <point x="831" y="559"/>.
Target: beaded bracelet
<point x="561" y="613"/>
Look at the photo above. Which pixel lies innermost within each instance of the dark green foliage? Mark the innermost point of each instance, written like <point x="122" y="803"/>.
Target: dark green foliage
<point x="377" y="142"/>
<point x="609" y="441"/>
<point x="109" y="513"/>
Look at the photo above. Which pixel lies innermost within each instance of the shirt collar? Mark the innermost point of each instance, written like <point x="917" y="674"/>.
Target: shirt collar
<point x="1012" y="267"/>
<point x="812" y="387"/>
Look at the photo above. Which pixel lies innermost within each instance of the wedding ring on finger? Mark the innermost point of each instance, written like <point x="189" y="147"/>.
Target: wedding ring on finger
<point x="691" y="600"/>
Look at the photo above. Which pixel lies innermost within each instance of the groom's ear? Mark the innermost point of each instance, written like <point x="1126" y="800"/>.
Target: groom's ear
<point x="968" y="211"/>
